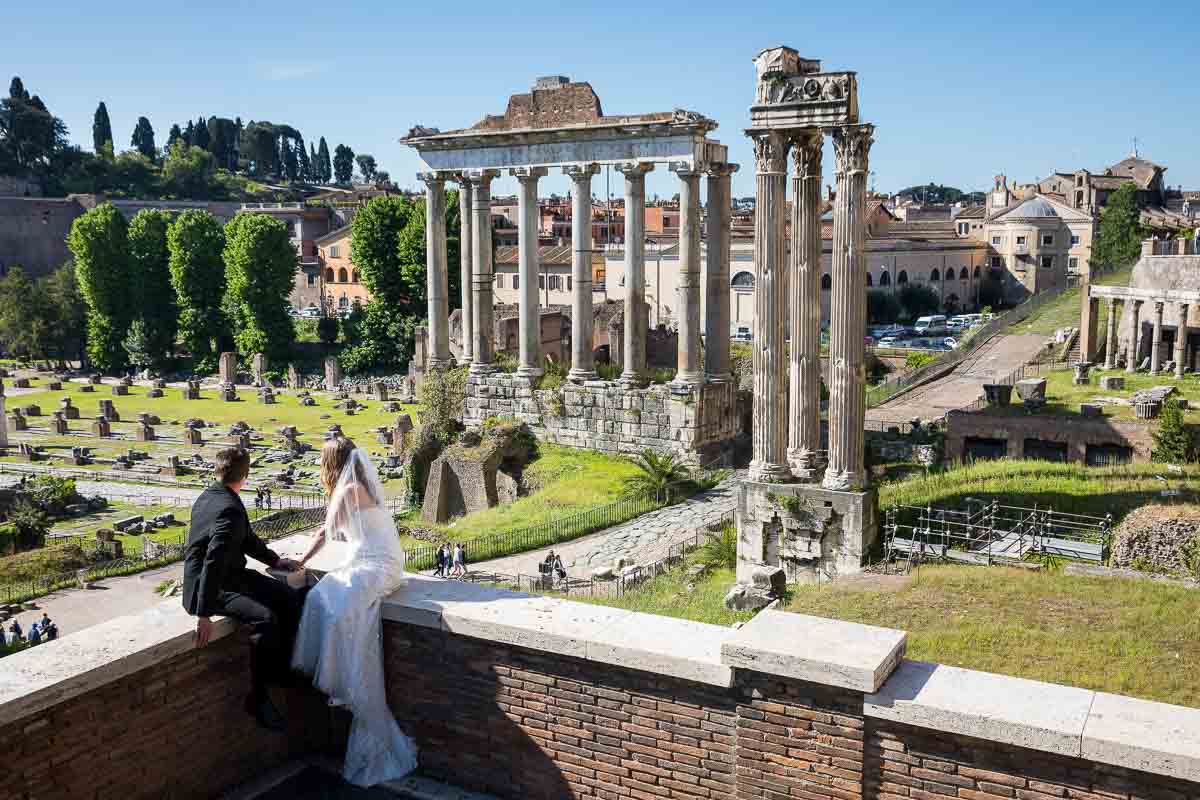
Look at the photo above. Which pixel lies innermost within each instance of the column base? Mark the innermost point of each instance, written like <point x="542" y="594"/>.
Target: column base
<point x="438" y="363"/>
<point x="718" y="377"/>
<point x="689" y="380"/>
<point x="530" y="372"/>
<point x="842" y="481"/>
<point x="806" y="465"/>
<point x="479" y="368"/>
<point x="633" y="380"/>
<point x="769" y="473"/>
<point x="581" y="375"/>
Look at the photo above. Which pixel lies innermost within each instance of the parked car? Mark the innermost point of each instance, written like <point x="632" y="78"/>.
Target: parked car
<point x="883" y="331"/>
<point x="742" y="334"/>
<point x="950" y="342"/>
<point x="310" y="312"/>
<point x="890" y="341"/>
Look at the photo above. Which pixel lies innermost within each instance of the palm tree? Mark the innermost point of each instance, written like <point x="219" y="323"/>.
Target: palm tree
<point x="660" y="475"/>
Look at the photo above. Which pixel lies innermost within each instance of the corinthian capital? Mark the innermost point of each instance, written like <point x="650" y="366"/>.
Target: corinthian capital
<point x="806" y="153"/>
<point x="721" y="169"/>
<point x="581" y="172"/>
<point x="852" y="145"/>
<point x="770" y="151"/>
<point x="635" y="169"/>
<point x="435" y="177"/>
<point x="480" y="177"/>
<point x="524" y="174"/>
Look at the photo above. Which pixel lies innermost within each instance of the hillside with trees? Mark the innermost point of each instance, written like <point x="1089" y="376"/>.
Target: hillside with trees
<point x="208" y="158"/>
<point x="937" y="194"/>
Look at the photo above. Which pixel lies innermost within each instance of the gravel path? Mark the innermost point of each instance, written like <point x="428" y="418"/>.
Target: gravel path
<point x="639" y="541"/>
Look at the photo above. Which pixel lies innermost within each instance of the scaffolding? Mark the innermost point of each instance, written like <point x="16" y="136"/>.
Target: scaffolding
<point x="987" y="532"/>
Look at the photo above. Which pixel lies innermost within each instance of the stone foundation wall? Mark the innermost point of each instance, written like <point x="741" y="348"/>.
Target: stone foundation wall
<point x="909" y="762"/>
<point x="1076" y="432"/>
<point x="699" y="424"/>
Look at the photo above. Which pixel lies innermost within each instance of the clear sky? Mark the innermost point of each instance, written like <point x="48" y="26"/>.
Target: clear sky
<point x="959" y="91"/>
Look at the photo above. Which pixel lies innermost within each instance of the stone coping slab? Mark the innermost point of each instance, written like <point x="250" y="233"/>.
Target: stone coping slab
<point x="52" y="672"/>
<point x="1143" y="735"/>
<point x="647" y="642"/>
<point x="815" y="649"/>
<point x="1016" y="711"/>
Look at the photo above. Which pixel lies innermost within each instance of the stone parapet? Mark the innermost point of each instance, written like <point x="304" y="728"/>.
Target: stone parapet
<point x="699" y="423"/>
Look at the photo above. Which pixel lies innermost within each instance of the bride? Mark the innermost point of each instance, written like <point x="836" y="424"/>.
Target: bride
<point x="340" y="638"/>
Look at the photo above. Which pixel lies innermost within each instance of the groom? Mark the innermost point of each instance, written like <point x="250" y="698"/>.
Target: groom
<point x="216" y="581"/>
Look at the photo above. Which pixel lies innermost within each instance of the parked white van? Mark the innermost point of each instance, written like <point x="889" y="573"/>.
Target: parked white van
<point x="930" y="324"/>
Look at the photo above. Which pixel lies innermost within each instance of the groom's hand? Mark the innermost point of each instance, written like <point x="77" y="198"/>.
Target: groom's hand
<point x="287" y="564"/>
<point x="204" y="628"/>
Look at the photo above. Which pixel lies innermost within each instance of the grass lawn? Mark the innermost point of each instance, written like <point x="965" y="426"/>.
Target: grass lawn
<point x="1063" y="311"/>
<point x="668" y="596"/>
<point x="1129" y="637"/>
<point x="564" y="481"/>
<point x="265" y="419"/>
<point x="1071" y="488"/>
<point x="1063" y="397"/>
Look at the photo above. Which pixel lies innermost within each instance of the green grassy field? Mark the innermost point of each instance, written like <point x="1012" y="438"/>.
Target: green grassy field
<point x="669" y="596"/>
<point x="564" y="480"/>
<point x="1063" y="397"/>
<point x="1063" y="311"/>
<point x="267" y="419"/>
<point x="1071" y="488"/>
<point x="1130" y="637"/>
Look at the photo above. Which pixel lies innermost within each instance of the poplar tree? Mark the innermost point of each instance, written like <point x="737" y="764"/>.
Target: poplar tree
<point x="260" y="269"/>
<point x="195" y="242"/>
<point x="99" y="240"/>
<point x="151" y="291"/>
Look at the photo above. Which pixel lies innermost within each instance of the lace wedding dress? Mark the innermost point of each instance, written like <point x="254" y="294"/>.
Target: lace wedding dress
<point x="339" y="642"/>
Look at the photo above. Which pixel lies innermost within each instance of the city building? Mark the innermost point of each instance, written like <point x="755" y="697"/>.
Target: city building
<point x="338" y="279"/>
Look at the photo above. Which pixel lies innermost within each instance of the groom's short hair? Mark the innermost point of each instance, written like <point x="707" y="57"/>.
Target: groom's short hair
<point x="232" y="465"/>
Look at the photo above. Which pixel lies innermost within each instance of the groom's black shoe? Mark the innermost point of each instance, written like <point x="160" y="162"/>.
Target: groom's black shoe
<point x="265" y="712"/>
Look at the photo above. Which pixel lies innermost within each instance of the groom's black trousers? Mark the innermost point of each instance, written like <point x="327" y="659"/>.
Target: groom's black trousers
<point x="271" y="609"/>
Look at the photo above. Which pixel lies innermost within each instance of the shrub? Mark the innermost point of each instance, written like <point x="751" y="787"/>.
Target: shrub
<point x="918" y="300"/>
<point x="719" y="550"/>
<point x="442" y="394"/>
<point x="51" y="493"/>
<point x="30" y="523"/>
<point x="1174" y="441"/>
<point x="916" y="360"/>
<point x="659" y="476"/>
<point x="882" y="306"/>
<point x="328" y="329"/>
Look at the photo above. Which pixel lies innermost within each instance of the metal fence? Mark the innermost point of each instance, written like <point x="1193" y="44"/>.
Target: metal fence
<point x="983" y="532"/>
<point x="890" y="389"/>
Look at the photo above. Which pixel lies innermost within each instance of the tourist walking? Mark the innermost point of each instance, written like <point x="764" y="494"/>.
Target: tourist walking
<point x="35" y="636"/>
<point x="440" y="558"/>
<point x="17" y="634"/>
<point x="457" y="568"/>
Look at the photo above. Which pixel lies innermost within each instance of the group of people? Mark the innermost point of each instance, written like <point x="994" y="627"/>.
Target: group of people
<point x="552" y="564"/>
<point x="263" y="498"/>
<point x="451" y="561"/>
<point x="43" y="630"/>
<point x="331" y="632"/>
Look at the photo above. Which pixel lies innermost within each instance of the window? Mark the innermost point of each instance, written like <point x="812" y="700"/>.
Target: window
<point x="343" y="277"/>
<point x="1074" y="240"/>
<point x="996" y="240"/>
<point x="1047" y="240"/>
<point x="997" y="262"/>
<point x="329" y="275"/>
<point x="885" y="279"/>
<point x="902" y="278"/>
<point x="516" y="281"/>
<point x="499" y="280"/>
<point x="962" y="274"/>
<point x="343" y="301"/>
<point x="1073" y="263"/>
<point x="964" y="228"/>
<point x="826" y="283"/>
<point x="1048" y="262"/>
<point x="312" y="279"/>
<point x="335" y="252"/>
<point x="934" y="276"/>
<point x="1020" y="240"/>
<point x="541" y="281"/>
<point x="743" y="281"/>
<point x="354" y="276"/>
<point x="568" y="283"/>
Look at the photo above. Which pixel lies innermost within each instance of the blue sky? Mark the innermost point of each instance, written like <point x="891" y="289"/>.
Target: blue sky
<point x="959" y="91"/>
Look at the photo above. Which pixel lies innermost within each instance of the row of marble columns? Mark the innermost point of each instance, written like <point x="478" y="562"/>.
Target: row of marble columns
<point x="476" y="271"/>
<point x="1134" y="337"/>
<point x="787" y="433"/>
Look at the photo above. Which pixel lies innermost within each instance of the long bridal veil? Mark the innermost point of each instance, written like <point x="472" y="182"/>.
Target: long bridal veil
<point x="340" y="638"/>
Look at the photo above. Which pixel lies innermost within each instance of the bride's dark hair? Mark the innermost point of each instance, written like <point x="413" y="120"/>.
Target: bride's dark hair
<point x="334" y="455"/>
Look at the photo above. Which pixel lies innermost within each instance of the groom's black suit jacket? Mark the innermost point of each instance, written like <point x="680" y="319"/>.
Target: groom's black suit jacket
<point x="218" y="542"/>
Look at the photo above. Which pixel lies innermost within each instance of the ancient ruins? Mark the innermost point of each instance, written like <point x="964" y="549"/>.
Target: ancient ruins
<point x="560" y="124"/>
<point x="807" y="528"/>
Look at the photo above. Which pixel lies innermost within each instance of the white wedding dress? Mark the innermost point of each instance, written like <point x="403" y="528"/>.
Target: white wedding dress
<point x="340" y="643"/>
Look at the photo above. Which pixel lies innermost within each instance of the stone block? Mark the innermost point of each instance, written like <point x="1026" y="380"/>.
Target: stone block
<point x="1090" y="410"/>
<point x="120" y="390"/>
<point x="1143" y="735"/>
<point x="772" y="579"/>
<point x="1032" y="389"/>
<point x="742" y="597"/>
<point x="1112" y="382"/>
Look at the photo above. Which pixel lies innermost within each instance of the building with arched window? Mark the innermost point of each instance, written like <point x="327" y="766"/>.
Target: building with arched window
<point x="343" y="289"/>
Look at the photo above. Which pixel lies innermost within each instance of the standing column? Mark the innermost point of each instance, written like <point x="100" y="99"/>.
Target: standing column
<point x="688" y="371"/>
<point x="582" y="366"/>
<point x="3" y="420"/>
<point x="804" y="297"/>
<point x="436" y="277"/>
<point x="716" y="282"/>
<point x="1156" y="339"/>
<point x="848" y="328"/>
<point x="482" y="346"/>
<point x="1135" y="337"/>
<point x="530" y="365"/>
<point x="1110" y="339"/>
<point x="1181" y="335"/>
<point x="769" y="461"/>
<point x="634" y="346"/>
<point x="465" y="246"/>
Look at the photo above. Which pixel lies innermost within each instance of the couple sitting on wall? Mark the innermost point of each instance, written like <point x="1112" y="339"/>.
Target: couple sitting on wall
<point x="331" y="632"/>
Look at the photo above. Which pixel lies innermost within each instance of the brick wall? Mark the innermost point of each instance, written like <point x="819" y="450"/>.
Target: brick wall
<point x="904" y="762"/>
<point x="174" y="730"/>
<point x="527" y="725"/>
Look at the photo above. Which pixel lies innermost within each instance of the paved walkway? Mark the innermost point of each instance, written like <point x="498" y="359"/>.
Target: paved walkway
<point x="995" y="359"/>
<point x="639" y="541"/>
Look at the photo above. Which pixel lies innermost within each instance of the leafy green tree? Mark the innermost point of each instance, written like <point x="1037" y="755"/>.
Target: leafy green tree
<point x="1174" y="439"/>
<point x="101" y="129"/>
<point x="882" y="306"/>
<point x="343" y="164"/>
<point x="918" y="300"/>
<point x="23" y="322"/>
<point x="143" y="138"/>
<point x="195" y="242"/>
<point x="291" y="165"/>
<point x="411" y="246"/>
<point x="200" y="134"/>
<point x="150" y="284"/>
<point x="366" y="166"/>
<point x="138" y="347"/>
<point x="66" y="314"/>
<point x="223" y="139"/>
<point x="659" y="477"/>
<point x="189" y="133"/>
<point x="31" y="524"/>
<point x="304" y="166"/>
<point x="187" y="171"/>
<point x="99" y="240"/>
<point x="30" y="135"/>
<point x="1120" y="233"/>
<point x="260" y="269"/>
<point x="327" y="330"/>
<point x="325" y="170"/>
<point x="175" y="135"/>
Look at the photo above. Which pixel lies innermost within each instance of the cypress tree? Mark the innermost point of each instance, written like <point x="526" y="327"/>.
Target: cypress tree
<point x="200" y="132"/>
<point x="174" y="136"/>
<point x="324" y="162"/>
<point x="101" y="128"/>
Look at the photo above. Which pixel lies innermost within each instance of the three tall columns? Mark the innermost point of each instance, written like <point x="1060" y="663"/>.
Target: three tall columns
<point x="530" y="335"/>
<point x="436" y="276"/>
<point x="804" y="412"/>
<point x="582" y="364"/>
<point x="636" y="318"/>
